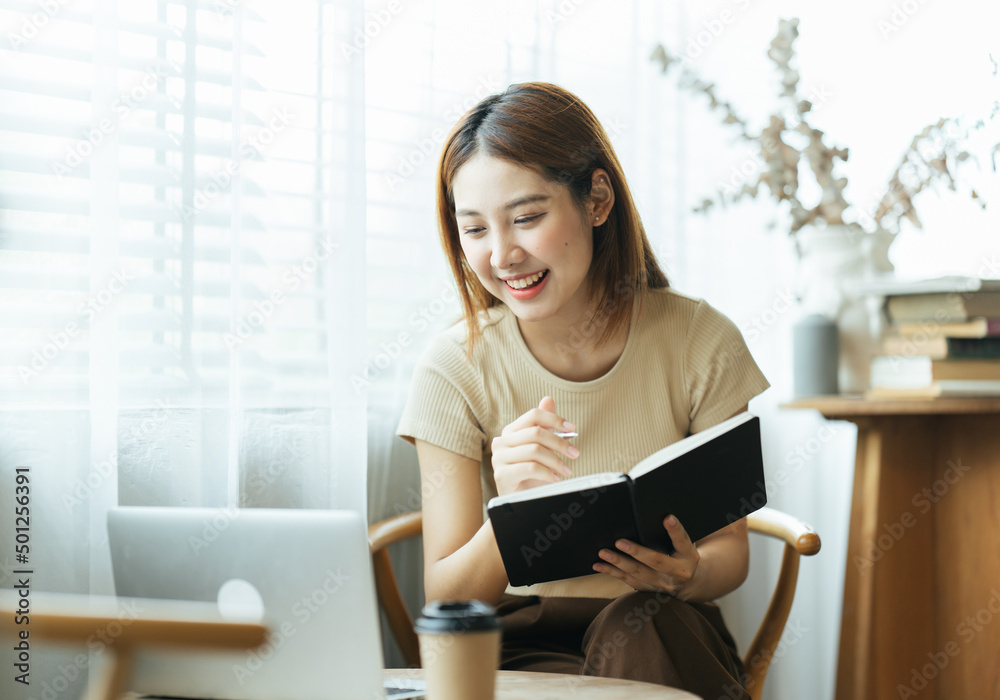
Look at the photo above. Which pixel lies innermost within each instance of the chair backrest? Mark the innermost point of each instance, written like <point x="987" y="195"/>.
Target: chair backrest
<point x="799" y="539"/>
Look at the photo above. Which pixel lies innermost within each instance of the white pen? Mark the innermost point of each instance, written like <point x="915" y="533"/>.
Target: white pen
<point x="567" y="436"/>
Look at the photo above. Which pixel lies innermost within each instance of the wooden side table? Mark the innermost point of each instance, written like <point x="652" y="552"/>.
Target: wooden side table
<point x="922" y="583"/>
<point x="523" y="685"/>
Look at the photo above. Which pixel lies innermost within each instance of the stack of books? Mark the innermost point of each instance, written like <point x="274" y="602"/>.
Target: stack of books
<point x="943" y="340"/>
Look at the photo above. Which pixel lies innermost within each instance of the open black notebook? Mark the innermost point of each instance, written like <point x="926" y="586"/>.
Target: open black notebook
<point x="708" y="480"/>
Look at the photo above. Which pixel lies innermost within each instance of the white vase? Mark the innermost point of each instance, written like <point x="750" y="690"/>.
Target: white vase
<point x="832" y="262"/>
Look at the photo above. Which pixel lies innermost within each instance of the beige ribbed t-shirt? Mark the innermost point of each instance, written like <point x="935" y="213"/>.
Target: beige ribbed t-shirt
<point x="685" y="368"/>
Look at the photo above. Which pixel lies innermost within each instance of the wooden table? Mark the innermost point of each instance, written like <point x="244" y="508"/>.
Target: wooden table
<point x="522" y="685"/>
<point x="922" y="583"/>
<point x="79" y="618"/>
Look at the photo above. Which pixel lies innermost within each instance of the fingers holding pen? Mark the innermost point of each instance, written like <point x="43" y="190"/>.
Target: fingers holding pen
<point x="541" y="426"/>
<point x="527" y="453"/>
<point x="563" y="430"/>
<point x="542" y="417"/>
<point x="536" y="444"/>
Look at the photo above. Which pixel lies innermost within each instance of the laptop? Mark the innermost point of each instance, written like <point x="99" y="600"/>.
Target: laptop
<point x="305" y="573"/>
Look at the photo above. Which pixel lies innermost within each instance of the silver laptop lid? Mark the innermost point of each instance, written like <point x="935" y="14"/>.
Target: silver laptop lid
<point x="312" y="571"/>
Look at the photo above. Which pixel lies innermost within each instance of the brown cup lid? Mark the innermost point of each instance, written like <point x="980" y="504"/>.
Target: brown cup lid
<point x="450" y="616"/>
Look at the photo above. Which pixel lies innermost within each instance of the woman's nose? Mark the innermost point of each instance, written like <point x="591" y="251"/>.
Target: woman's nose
<point x="506" y="252"/>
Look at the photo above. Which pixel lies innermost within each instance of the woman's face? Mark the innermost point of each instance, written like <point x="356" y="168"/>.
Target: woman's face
<point x="528" y="243"/>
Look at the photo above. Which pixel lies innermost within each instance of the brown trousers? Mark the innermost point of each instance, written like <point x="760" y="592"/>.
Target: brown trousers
<point x="640" y="636"/>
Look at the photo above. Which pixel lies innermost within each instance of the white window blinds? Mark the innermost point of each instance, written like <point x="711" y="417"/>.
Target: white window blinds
<point x="176" y="195"/>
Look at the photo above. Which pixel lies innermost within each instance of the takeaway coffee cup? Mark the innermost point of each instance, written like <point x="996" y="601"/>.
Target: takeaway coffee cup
<point x="459" y="649"/>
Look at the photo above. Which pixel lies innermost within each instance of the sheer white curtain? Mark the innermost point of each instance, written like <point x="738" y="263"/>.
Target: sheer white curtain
<point x="182" y="231"/>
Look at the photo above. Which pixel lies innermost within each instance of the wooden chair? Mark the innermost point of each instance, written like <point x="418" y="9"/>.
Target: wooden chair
<point x="799" y="539"/>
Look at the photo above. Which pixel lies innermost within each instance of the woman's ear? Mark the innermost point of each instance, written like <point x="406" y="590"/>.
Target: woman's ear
<point x="602" y="197"/>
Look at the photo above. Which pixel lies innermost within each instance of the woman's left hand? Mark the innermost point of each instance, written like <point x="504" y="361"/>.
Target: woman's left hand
<point x="649" y="570"/>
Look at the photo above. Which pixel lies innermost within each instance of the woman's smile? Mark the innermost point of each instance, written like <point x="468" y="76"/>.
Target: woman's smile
<point x="527" y="287"/>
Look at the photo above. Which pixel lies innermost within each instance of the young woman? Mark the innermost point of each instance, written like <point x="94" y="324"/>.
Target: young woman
<point x="569" y="326"/>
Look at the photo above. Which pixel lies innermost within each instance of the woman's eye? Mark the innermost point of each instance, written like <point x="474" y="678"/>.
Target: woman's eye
<point x="473" y="230"/>
<point x="528" y="219"/>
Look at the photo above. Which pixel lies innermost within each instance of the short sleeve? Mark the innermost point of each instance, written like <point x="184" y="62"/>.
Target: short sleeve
<point x="720" y="374"/>
<point x="441" y="406"/>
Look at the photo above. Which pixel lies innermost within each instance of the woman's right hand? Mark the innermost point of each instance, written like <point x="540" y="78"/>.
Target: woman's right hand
<point x="525" y="455"/>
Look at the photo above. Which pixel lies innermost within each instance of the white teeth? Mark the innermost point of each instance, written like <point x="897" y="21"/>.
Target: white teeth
<point x="525" y="281"/>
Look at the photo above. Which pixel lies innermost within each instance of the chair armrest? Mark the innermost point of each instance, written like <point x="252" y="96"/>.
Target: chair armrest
<point x="380" y="536"/>
<point x="793" y="531"/>
<point x="391" y="530"/>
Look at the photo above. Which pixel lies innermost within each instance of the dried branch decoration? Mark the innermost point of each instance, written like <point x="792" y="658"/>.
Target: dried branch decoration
<point x="932" y="156"/>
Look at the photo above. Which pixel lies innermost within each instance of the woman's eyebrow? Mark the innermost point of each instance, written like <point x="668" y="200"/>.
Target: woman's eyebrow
<point x="512" y="204"/>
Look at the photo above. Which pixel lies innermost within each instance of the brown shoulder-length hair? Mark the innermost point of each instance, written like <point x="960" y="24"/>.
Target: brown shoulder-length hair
<point x="546" y="128"/>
